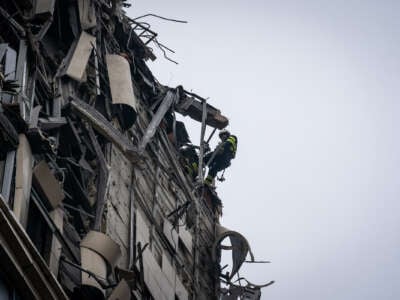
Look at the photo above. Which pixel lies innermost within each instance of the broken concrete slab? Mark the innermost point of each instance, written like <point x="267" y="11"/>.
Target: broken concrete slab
<point x="105" y="128"/>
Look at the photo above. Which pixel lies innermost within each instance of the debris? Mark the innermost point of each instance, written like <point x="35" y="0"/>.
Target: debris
<point x="169" y="99"/>
<point x="98" y="121"/>
<point x="239" y="246"/>
<point x="191" y="104"/>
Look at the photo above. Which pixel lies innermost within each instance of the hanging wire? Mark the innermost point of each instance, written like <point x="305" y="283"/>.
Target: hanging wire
<point x="162" y="47"/>
<point x="152" y="38"/>
<point x="160" y="17"/>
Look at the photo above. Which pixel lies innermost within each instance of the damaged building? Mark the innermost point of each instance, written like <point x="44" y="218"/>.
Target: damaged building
<point x="96" y="199"/>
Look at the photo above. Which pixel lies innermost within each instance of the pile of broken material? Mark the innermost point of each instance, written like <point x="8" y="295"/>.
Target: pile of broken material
<point x="73" y="82"/>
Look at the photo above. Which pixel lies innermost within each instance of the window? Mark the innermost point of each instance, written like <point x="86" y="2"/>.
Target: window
<point x="7" y="291"/>
<point x="39" y="232"/>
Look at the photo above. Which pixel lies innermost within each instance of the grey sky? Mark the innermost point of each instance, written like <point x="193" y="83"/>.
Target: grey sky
<point x="311" y="89"/>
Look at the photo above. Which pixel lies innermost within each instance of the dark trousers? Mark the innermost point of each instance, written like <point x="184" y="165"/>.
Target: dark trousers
<point x="218" y="164"/>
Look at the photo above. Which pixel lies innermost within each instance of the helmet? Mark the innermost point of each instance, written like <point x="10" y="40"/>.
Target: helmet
<point x="224" y="132"/>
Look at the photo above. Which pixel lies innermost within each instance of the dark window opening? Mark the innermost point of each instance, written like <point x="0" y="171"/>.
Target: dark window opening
<point x="39" y="232"/>
<point x="7" y="291"/>
<point x="63" y="27"/>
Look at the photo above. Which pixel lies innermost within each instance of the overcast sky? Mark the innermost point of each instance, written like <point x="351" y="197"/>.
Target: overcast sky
<point x="311" y="89"/>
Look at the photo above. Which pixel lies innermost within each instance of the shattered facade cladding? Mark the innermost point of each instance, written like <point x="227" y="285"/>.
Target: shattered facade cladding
<point x="97" y="201"/>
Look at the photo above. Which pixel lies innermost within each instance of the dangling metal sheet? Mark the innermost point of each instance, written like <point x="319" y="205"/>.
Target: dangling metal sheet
<point x="94" y="263"/>
<point x="119" y="74"/>
<point x="23" y="180"/>
<point x="80" y="56"/>
<point x="240" y="247"/>
<point x="103" y="245"/>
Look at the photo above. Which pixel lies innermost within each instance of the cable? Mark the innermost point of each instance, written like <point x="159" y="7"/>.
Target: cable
<point x="161" y="46"/>
<point x="160" y="17"/>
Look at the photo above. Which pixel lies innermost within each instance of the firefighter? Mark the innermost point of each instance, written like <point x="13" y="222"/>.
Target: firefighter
<point x="221" y="157"/>
<point x="190" y="159"/>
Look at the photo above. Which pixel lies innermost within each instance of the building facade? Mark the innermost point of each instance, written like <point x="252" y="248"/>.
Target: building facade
<point x="97" y="201"/>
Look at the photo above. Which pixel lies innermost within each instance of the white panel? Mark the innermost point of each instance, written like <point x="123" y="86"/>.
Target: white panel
<point x="93" y="262"/>
<point x="119" y="73"/>
<point x="80" y="57"/>
<point x="186" y="238"/>
<point x="104" y="245"/>
<point x="180" y="290"/>
<point x="168" y="270"/>
<point x="57" y="216"/>
<point x="44" y="6"/>
<point x="170" y="233"/>
<point x="23" y="180"/>
<point x="155" y="279"/>
<point x="142" y="229"/>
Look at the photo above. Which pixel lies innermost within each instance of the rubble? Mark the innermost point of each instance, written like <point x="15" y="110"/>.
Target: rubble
<point x="96" y="198"/>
